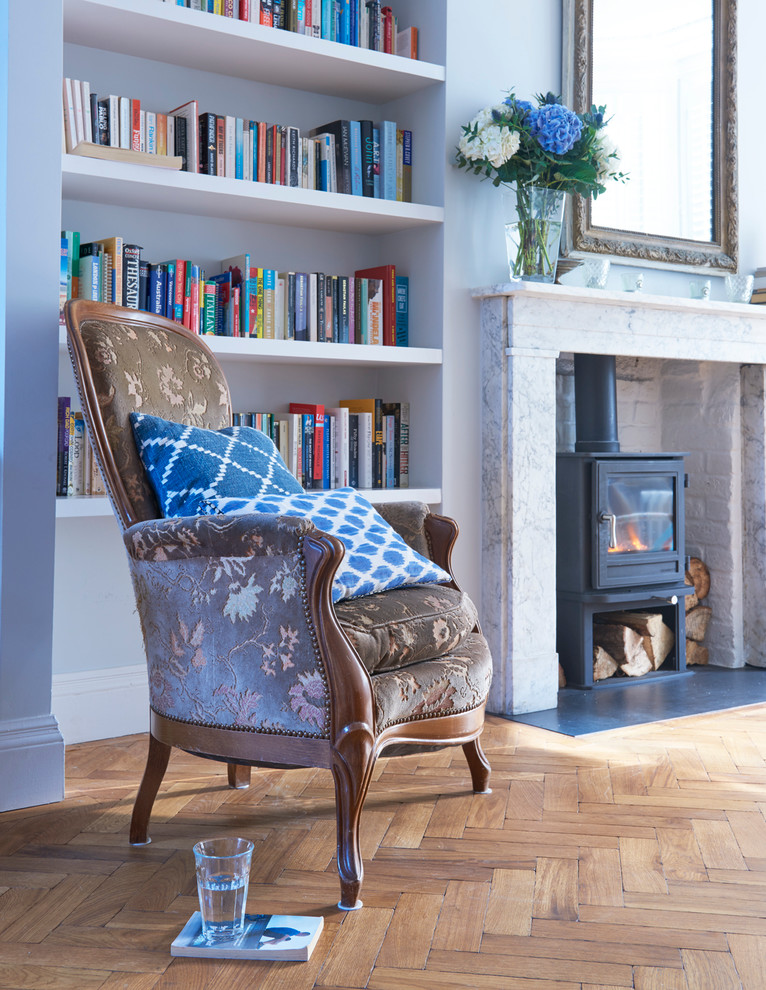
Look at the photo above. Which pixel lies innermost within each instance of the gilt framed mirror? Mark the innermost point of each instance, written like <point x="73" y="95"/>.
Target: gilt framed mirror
<point x="666" y="72"/>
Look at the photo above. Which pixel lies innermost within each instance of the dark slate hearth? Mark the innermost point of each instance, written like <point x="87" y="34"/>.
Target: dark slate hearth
<point x="703" y="689"/>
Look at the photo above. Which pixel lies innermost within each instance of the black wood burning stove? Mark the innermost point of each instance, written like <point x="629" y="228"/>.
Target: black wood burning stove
<point x="619" y="530"/>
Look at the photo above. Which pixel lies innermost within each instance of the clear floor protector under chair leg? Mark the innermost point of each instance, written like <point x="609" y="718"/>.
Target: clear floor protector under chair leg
<point x="354" y="907"/>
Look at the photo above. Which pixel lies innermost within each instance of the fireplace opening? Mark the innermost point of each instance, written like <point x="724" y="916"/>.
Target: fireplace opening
<point x="619" y="536"/>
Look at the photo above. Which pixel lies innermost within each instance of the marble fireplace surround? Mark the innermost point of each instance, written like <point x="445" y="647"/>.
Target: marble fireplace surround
<point x="524" y="330"/>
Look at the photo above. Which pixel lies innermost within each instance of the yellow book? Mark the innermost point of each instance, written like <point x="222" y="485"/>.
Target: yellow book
<point x="259" y="317"/>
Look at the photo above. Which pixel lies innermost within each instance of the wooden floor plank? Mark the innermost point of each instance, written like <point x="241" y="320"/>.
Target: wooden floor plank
<point x="556" y="890"/>
<point x="411" y="933"/>
<point x="511" y="901"/>
<point x="461" y="921"/>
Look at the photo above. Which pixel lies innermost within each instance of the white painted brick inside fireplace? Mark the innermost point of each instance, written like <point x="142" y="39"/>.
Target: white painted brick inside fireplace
<point x="670" y="405"/>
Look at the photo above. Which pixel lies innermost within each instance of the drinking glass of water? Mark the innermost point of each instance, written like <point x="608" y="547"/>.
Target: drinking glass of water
<point x="223" y="874"/>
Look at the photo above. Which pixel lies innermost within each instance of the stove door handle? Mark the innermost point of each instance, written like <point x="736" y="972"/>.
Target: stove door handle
<point x="612" y="520"/>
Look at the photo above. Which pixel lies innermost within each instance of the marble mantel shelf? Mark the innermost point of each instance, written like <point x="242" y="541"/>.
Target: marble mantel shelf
<point x="591" y="321"/>
<point x="523" y="330"/>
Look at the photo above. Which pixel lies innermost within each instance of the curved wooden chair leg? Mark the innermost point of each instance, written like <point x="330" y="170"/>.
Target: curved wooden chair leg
<point x="156" y="764"/>
<point x="479" y="766"/>
<point x="239" y="775"/>
<point x="352" y="779"/>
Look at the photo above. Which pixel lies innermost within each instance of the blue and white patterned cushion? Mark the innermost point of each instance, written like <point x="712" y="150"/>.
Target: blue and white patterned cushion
<point x="186" y="464"/>
<point x="376" y="559"/>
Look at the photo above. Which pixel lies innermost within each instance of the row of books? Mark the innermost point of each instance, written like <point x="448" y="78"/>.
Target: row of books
<point x="356" y="157"/>
<point x="362" y="23"/>
<point x="242" y="300"/>
<point x="77" y="472"/>
<point x="361" y="443"/>
<point x="759" y="286"/>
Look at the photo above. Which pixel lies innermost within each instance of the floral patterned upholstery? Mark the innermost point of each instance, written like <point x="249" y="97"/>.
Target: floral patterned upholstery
<point x="456" y="682"/>
<point x="223" y="611"/>
<point x="406" y="625"/>
<point x="153" y="370"/>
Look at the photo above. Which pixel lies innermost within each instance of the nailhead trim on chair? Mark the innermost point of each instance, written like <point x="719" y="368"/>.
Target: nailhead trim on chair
<point x="237" y="728"/>
<point x="422" y="718"/>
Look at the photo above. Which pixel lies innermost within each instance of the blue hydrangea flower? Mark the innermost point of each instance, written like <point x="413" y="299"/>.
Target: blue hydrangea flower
<point x="555" y="127"/>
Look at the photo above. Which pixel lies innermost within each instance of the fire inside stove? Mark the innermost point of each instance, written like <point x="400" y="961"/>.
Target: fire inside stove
<point x="640" y="513"/>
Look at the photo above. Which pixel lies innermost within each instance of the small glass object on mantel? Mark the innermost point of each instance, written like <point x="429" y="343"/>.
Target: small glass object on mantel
<point x="739" y="288"/>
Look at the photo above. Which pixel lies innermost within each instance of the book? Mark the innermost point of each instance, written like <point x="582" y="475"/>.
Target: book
<point x="189" y="113"/>
<point x="266" y="936"/>
<point x="341" y="416"/>
<point x="368" y="158"/>
<point x="314" y="468"/>
<point x="402" y="307"/>
<point x="407" y="43"/>
<point x="387" y="129"/>
<point x="62" y="448"/>
<point x="355" y="146"/>
<point x="392" y="415"/>
<point x="341" y="132"/>
<point x="387" y="273"/>
<point x="131" y="259"/>
<point x="406" y="166"/>
<point x="404" y="445"/>
<point x="207" y="143"/>
<point x="370" y="437"/>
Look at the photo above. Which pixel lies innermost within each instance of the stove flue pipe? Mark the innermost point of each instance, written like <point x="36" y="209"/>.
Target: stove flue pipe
<point x="595" y="379"/>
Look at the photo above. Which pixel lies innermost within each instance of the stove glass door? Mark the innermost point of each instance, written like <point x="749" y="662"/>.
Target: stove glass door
<point x="641" y="513"/>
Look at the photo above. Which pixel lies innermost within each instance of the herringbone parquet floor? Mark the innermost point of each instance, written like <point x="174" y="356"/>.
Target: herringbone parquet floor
<point x="635" y="858"/>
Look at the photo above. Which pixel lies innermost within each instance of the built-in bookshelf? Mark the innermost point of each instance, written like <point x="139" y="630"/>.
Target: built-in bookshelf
<point x="166" y="55"/>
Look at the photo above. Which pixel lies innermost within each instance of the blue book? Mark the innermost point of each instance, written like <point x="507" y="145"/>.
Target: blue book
<point x="169" y="295"/>
<point x="239" y="148"/>
<point x="354" y="23"/>
<point x="336" y="29"/>
<point x="345" y="22"/>
<point x="376" y="162"/>
<point x="328" y="10"/>
<point x="254" y="142"/>
<point x="224" y="312"/>
<point x="301" y="306"/>
<point x="387" y="159"/>
<point x="355" y="133"/>
<point x="402" y="315"/>
<point x="327" y="452"/>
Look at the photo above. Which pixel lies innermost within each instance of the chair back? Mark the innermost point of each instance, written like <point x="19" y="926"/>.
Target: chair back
<point x="128" y="361"/>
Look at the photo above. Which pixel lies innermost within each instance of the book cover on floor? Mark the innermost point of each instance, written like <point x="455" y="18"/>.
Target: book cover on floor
<point x="266" y="936"/>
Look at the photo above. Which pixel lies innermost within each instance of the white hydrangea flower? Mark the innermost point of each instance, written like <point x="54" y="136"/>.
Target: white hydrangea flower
<point x="499" y="144"/>
<point x="606" y="156"/>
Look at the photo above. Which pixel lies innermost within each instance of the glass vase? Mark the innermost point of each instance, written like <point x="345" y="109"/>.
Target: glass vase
<point x="533" y="220"/>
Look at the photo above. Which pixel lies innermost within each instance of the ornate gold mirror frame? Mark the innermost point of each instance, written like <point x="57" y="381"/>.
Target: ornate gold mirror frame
<point x="581" y="237"/>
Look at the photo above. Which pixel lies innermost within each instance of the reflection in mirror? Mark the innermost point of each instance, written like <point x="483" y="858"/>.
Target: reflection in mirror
<point x="664" y="69"/>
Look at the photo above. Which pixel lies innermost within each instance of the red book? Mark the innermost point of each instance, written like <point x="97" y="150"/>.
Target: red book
<point x="244" y="10"/>
<point x="135" y="125"/>
<point x="387" y="273"/>
<point x="318" y="413"/>
<point x="388" y="30"/>
<point x="235" y="303"/>
<point x="262" y="152"/>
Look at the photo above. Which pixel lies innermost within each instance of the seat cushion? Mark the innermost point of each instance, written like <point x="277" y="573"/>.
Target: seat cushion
<point x="404" y="626"/>
<point x="457" y="682"/>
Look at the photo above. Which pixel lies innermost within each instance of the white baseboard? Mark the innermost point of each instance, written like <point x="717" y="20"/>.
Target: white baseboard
<point x="31" y="762"/>
<point x="101" y="704"/>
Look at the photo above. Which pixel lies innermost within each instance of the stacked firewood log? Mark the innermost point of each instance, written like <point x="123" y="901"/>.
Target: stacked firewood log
<point x="697" y="615"/>
<point x="629" y="643"/>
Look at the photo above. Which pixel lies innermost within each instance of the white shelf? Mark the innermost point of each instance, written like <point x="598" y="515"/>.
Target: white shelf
<point x="143" y="187"/>
<point x="309" y="352"/>
<point x="197" y="40"/>
<point x="92" y="506"/>
<point x="82" y="506"/>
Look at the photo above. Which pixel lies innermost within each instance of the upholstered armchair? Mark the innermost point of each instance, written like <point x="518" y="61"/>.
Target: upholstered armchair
<point x="249" y="660"/>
